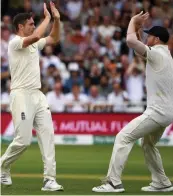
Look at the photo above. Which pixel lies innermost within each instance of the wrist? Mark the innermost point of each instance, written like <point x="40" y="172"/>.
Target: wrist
<point x="56" y="19"/>
<point x="133" y="21"/>
<point x="48" y="17"/>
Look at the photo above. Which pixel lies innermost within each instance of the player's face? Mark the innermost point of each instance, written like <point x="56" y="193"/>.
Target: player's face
<point x="151" y="40"/>
<point x="29" y="27"/>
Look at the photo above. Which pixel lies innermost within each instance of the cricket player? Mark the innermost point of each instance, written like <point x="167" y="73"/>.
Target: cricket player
<point x="28" y="104"/>
<point x="158" y="115"/>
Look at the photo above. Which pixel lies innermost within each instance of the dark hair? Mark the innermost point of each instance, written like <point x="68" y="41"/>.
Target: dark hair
<point x="21" y="19"/>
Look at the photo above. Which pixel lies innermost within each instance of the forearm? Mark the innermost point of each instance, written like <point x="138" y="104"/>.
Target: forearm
<point x="132" y="39"/>
<point x="139" y="34"/>
<point x="131" y="33"/>
<point x="42" y="27"/>
<point x="55" y="32"/>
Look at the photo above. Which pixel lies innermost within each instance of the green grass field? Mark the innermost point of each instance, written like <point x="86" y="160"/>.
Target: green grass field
<point x="79" y="168"/>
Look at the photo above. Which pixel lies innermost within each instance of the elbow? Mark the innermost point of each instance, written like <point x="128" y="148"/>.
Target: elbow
<point x="130" y="42"/>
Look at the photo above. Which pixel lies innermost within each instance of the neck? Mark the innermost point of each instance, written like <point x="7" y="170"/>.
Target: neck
<point x="21" y="34"/>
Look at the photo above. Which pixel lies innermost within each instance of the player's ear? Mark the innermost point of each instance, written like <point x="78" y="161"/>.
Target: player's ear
<point x="20" y="26"/>
<point x="157" y="40"/>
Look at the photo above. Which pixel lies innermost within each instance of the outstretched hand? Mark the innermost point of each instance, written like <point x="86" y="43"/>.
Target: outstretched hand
<point x="46" y="12"/>
<point x="55" y="12"/>
<point x="140" y="18"/>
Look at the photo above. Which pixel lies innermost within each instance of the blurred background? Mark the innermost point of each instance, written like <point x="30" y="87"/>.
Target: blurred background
<point x="91" y="71"/>
<point x="94" y="85"/>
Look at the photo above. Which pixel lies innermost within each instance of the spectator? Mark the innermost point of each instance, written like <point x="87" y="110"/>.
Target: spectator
<point x="73" y="9"/>
<point x="94" y="74"/>
<point x="118" y="98"/>
<point x="75" y="77"/>
<point x="96" y="101"/>
<point x="87" y="84"/>
<point x="93" y="37"/>
<point x="110" y="70"/>
<point x="167" y="24"/>
<point x="56" y="98"/>
<point x="51" y="74"/>
<point x="97" y="13"/>
<point x="49" y="58"/>
<point x="167" y="9"/>
<point x="108" y="49"/>
<point x="106" y="9"/>
<point x="5" y="38"/>
<point x="156" y="19"/>
<point x="107" y="65"/>
<point x="135" y="83"/>
<point x="26" y="7"/>
<point x="90" y="26"/>
<point x="85" y="13"/>
<point x="117" y="41"/>
<point x="90" y="58"/>
<point x="69" y="49"/>
<point x="5" y="74"/>
<point x="77" y="36"/>
<point x="5" y="99"/>
<point x="106" y="29"/>
<point x="124" y="62"/>
<point x="104" y="88"/>
<point x="88" y="43"/>
<point x="6" y="22"/>
<point x="76" y="101"/>
<point x="95" y="97"/>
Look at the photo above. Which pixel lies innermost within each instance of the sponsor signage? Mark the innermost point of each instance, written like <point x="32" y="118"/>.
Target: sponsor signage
<point x="84" y="128"/>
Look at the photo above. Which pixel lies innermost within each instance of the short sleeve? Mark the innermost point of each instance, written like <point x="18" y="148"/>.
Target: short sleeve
<point x="154" y="58"/>
<point x="16" y="43"/>
<point x="41" y="43"/>
<point x="152" y="54"/>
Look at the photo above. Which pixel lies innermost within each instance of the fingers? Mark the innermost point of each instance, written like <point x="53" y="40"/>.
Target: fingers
<point x="140" y="13"/>
<point x="145" y="16"/>
<point x="52" y="4"/>
<point x="44" y="5"/>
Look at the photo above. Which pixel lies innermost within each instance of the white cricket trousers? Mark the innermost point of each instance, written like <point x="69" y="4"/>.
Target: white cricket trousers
<point x="29" y="109"/>
<point x="150" y="131"/>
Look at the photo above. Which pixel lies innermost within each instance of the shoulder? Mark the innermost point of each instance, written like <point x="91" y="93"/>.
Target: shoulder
<point x="15" y="39"/>
<point x="16" y="43"/>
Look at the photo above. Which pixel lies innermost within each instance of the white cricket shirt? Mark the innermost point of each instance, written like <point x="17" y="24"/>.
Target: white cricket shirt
<point x="24" y="63"/>
<point x="159" y="84"/>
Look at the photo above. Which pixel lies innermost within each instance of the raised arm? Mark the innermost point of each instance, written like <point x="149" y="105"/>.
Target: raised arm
<point x="54" y="35"/>
<point x="39" y="32"/>
<point x="132" y="39"/>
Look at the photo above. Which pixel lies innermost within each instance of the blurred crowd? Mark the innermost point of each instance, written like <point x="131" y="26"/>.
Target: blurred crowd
<point x="91" y="69"/>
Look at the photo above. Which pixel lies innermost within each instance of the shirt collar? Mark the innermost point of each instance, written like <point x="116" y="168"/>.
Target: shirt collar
<point x="161" y="46"/>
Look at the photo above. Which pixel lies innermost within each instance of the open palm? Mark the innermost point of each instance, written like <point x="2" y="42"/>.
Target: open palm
<point x="140" y="18"/>
<point x="54" y="11"/>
